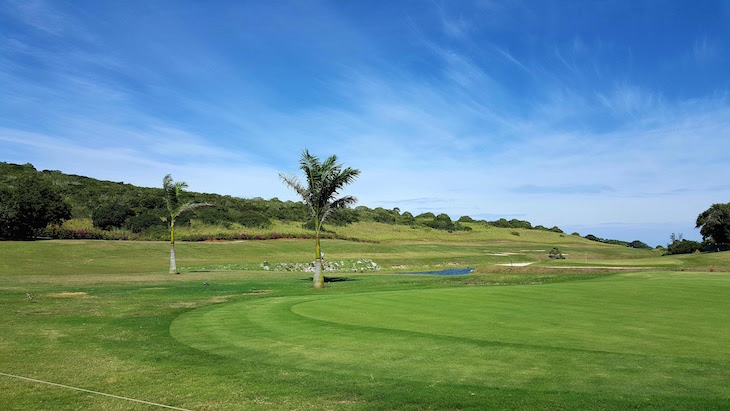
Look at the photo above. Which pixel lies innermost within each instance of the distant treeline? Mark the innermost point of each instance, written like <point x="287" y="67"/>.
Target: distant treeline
<point x="633" y="244"/>
<point x="113" y="205"/>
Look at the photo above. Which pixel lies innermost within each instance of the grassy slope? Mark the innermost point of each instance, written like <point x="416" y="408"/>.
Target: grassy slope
<point x="102" y="313"/>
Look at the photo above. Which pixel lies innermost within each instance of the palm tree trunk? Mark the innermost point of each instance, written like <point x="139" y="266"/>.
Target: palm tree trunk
<point x="318" y="279"/>
<point x="173" y="267"/>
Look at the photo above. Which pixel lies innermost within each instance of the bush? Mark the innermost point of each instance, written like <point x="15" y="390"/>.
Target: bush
<point x="406" y="219"/>
<point x="683" y="247"/>
<point x="112" y="215"/>
<point x="252" y="219"/>
<point x="441" y="222"/>
<point x="381" y="215"/>
<point x="459" y="227"/>
<point x="639" y="244"/>
<point x="343" y="217"/>
<point x="145" y="221"/>
<point x="513" y="223"/>
<point x="214" y="216"/>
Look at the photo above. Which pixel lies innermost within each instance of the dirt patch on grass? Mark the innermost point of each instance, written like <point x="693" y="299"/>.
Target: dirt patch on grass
<point x="255" y="292"/>
<point x="217" y="299"/>
<point x="71" y="294"/>
<point x="184" y="304"/>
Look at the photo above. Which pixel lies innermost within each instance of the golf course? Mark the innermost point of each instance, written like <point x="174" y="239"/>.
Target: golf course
<point x="608" y="327"/>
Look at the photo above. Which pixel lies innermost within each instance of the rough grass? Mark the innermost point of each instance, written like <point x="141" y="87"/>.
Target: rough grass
<point x="106" y="317"/>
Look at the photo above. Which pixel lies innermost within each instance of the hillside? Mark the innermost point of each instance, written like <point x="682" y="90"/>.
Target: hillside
<point x="115" y="210"/>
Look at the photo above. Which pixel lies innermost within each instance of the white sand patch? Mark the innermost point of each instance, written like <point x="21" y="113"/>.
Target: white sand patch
<point x="503" y="254"/>
<point x="532" y="251"/>
<point x="515" y="264"/>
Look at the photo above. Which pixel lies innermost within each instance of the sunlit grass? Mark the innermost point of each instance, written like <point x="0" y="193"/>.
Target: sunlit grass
<point x="535" y="337"/>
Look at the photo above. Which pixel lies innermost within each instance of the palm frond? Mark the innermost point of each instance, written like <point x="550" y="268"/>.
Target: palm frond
<point x="294" y="183"/>
<point x="191" y="206"/>
<point x="343" y="202"/>
<point x="334" y="205"/>
<point x="169" y="191"/>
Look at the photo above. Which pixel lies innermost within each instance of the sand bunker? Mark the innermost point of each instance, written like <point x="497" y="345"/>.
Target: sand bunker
<point x="514" y="264"/>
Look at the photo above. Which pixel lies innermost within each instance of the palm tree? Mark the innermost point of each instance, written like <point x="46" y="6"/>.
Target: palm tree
<point x="324" y="180"/>
<point x="173" y="192"/>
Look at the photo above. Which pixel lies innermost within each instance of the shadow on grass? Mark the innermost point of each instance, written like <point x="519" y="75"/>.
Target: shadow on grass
<point x="331" y="279"/>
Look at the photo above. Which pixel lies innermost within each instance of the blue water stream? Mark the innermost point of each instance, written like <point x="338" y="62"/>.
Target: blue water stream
<point x="450" y="271"/>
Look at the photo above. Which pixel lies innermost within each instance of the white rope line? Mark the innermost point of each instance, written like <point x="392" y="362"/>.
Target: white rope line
<point x="93" y="392"/>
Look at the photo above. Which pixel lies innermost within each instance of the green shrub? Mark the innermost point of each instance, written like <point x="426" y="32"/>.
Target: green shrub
<point x="252" y="219"/>
<point x="441" y="222"/>
<point x="144" y="221"/>
<point x="342" y="217"/>
<point x="111" y="215"/>
<point x="639" y="244"/>
<point x="683" y="247"/>
<point x="406" y="219"/>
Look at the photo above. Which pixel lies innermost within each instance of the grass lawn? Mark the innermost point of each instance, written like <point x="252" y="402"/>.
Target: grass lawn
<point x="105" y="317"/>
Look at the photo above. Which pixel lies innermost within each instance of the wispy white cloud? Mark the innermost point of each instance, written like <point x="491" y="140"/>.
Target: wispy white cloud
<point x="38" y="14"/>
<point x="705" y="51"/>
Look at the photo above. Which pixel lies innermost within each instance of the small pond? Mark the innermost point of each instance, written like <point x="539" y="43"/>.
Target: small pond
<point x="450" y="271"/>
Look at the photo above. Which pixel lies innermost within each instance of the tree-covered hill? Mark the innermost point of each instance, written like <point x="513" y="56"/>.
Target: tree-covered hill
<point x="139" y="212"/>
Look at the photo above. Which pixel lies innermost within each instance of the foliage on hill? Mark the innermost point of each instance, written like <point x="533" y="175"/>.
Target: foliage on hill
<point x="683" y="247"/>
<point x="633" y="244"/>
<point x="29" y="203"/>
<point x="115" y="206"/>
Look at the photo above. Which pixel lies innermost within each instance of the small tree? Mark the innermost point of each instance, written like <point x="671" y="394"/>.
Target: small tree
<point x="173" y="192"/>
<point x="324" y="180"/>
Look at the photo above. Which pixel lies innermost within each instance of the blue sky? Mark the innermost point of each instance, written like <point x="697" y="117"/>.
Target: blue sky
<point x="605" y="117"/>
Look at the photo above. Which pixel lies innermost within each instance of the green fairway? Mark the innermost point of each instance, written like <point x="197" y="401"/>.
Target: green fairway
<point x="105" y="317"/>
<point x="624" y="335"/>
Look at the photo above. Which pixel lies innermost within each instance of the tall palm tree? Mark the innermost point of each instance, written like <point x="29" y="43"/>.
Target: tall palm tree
<point x="324" y="180"/>
<point x="173" y="192"/>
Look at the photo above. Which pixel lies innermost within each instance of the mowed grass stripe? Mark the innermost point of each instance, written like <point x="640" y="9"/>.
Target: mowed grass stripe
<point x="622" y="335"/>
<point x="631" y="313"/>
